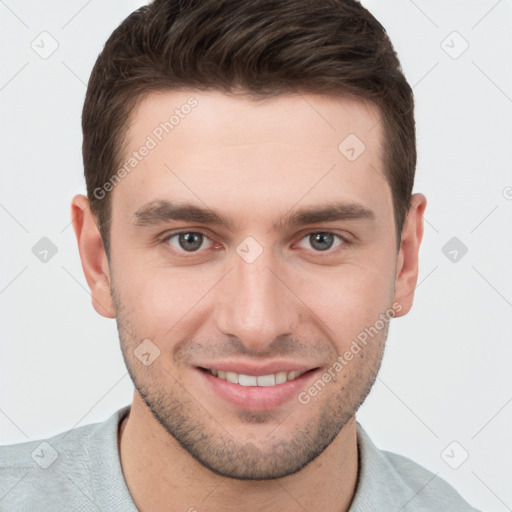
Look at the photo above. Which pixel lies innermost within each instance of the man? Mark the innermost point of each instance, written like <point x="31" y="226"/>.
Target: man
<point x="250" y="225"/>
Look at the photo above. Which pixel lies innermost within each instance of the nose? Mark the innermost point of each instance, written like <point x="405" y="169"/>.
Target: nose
<point x="256" y="303"/>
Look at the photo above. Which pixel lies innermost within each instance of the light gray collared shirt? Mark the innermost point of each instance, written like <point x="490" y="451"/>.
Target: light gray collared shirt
<point x="80" y="470"/>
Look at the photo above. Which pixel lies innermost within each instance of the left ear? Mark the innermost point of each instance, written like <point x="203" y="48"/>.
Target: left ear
<point x="407" y="263"/>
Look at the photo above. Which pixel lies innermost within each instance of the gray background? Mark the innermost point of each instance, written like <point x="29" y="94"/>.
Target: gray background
<point x="444" y="390"/>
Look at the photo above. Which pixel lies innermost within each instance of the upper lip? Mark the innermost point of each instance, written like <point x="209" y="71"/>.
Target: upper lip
<point x="257" y="369"/>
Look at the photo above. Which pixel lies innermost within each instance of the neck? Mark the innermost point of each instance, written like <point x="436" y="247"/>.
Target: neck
<point x="159" y="472"/>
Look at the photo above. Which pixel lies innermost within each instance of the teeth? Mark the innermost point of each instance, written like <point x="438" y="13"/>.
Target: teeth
<point x="281" y="377"/>
<point x="247" y="380"/>
<point x="266" y="380"/>
<point x="252" y="380"/>
<point x="232" y="377"/>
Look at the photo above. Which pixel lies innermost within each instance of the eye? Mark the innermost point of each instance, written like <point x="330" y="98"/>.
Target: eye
<point x="188" y="241"/>
<point x="194" y="241"/>
<point x="322" y="240"/>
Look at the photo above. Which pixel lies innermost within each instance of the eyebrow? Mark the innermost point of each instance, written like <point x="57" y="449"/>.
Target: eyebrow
<point x="161" y="211"/>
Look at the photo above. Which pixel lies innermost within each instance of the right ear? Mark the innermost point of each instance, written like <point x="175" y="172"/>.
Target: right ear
<point x="93" y="256"/>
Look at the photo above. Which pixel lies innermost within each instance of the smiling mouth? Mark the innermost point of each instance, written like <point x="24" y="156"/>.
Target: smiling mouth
<point x="272" y="379"/>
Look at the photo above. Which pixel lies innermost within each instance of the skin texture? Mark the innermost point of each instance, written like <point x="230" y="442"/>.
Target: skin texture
<point x="254" y="163"/>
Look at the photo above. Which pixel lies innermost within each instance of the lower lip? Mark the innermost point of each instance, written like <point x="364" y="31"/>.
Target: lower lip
<point x="257" y="398"/>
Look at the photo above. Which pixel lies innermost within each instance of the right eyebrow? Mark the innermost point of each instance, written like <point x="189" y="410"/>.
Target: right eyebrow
<point x="161" y="211"/>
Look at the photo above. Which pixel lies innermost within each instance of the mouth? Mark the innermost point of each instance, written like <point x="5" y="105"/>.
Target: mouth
<point x="257" y="390"/>
<point x="271" y="379"/>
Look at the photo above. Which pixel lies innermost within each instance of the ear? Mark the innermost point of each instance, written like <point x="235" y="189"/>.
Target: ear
<point x="407" y="263"/>
<point x="92" y="253"/>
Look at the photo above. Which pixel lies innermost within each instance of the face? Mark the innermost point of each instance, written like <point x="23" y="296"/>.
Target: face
<point x="248" y="245"/>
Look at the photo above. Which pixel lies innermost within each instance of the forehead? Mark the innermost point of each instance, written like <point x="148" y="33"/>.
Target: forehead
<point x="234" y="154"/>
<point x="241" y="120"/>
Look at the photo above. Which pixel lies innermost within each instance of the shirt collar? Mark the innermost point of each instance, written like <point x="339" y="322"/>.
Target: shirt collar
<point x="379" y="486"/>
<point x="109" y="485"/>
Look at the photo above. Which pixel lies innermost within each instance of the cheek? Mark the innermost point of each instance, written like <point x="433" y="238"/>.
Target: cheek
<point x="349" y="298"/>
<point x="160" y="301"/>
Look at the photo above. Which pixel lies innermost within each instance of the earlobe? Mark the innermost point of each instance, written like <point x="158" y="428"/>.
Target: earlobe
<point x="407" y="261"/>
<point x="92" y="254"/>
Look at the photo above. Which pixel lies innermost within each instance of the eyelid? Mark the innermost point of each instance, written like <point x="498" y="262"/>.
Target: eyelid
<point x="343" y="235"/>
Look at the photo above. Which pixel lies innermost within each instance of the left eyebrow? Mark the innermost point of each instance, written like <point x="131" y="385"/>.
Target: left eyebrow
<point x="331" y="212"/>
<point x="161" y="211"/>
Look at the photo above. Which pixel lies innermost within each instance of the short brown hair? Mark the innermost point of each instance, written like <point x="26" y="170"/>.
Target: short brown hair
<point x="263" y="47"/>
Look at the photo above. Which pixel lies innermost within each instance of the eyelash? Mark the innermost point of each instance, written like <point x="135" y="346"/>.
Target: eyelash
<point x="344" y="241"/>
